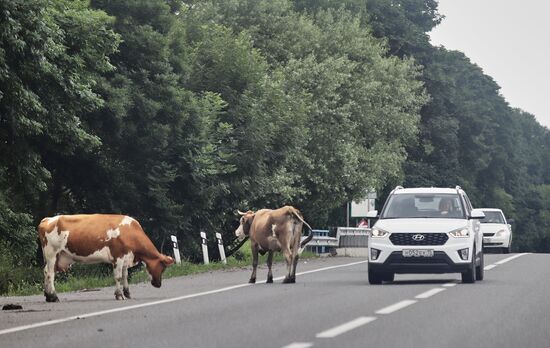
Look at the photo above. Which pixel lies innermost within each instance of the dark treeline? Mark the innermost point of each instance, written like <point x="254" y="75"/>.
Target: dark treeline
<point x="178" y="113"/>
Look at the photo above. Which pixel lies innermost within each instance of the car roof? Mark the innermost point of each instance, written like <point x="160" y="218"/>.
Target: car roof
<point x="443" y="190"/>
<point x="491" y="209"/>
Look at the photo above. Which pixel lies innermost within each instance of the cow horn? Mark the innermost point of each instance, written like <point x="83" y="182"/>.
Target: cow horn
<point x="240" y="212"/>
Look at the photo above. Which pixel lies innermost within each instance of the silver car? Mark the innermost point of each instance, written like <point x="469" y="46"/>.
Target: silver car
<point x="497" y="232"/>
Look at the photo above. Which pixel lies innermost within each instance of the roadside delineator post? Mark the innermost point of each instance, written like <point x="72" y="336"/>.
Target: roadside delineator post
<point x="176" y="249"/>
<point x="220" y="247"/>
<point x="204" y="249"/>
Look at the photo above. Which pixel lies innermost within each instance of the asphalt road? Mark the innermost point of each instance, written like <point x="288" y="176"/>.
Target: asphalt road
<point x="331" y="305"/>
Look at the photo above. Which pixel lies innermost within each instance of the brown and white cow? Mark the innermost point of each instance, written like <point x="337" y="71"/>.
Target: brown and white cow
<point x="274" y="230"/>
<point x="115" y="239"/>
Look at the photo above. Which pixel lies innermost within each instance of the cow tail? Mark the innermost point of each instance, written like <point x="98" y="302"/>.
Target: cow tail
<point x="308" y="238"/>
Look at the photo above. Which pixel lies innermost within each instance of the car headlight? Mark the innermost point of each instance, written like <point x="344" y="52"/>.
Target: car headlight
<point x="501" y="233"/>
<point x="378" y="233"/>
<point x="460" y="233"/>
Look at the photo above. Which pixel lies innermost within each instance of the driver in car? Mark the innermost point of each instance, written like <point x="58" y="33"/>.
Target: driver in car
<point x="445" y="206"/>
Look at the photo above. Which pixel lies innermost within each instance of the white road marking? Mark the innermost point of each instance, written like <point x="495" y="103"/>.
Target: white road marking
<point x="299" y="345"/>
<point x="340" y="329"/>
<point x="430" y="293"/>
<point x="489" y="267"/>
<point x="331" y="267"/>
<point x="510" y="258"/>
<point x="148" y="304"/>
<point x="396" y="307"/>
<point x="121" y="309"/>
<point x="449" y="285"/>
<point x="320" y="270"/>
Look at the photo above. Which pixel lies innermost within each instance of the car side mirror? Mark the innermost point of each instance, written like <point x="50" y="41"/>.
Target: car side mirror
<point x="372" y="214"/>
<point x="510" y="221"/>
<point x="477" y="214"/>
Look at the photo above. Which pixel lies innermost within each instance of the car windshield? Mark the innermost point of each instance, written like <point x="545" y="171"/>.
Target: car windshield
<point x="492" y="217"/>
<point x="423" y="205"/>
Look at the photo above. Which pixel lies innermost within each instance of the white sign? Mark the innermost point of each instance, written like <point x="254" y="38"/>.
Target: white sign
<point x="370" y="203"/>
<point x="176" y="249"/>
<point x="220" y="247"/>
<point x="360" y="209"/>
<point x="204" y="249"/>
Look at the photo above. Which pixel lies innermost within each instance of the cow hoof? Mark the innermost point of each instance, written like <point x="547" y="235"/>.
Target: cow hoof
<point x="51" y="298"/>
<point x="293" y="280"/>
<point x="269" y="280"/>
<point x="127" y="293"/>
<point x="119" y="296"/>
<point x="287" y="280"/>
<point x="252" y="281"/>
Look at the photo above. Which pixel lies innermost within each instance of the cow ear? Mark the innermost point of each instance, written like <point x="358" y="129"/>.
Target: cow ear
<point x="167" y="260"/>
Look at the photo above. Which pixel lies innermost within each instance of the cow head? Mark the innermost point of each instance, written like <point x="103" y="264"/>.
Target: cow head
<point x="244" y="227"/>
<point x="155" y="268"/>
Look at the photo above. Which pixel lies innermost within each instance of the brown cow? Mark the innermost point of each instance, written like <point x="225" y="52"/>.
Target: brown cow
<point x="115" y="239"/>
<point x="274" y="230"/>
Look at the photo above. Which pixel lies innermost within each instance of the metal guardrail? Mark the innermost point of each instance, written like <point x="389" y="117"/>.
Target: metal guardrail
<point x="346" y="237"/>
<point x="321" y="242"/>
<point x="352" y="237"/>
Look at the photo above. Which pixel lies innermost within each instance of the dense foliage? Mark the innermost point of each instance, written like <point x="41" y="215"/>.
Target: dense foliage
<point x="181" y="112"/>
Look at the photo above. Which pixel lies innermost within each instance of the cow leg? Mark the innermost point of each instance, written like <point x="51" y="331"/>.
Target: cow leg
<point x="254" y="263"/>
<point x="126" y="288"/>
<point x="50" y="257"/>
<point x="49" y="279"/>
<point x="288" y="259"/>
<point x="293" y="271"/>
<point x="291" y="276"/>
<point x="117" y="270"/>
<point x="293" y="239"/>
<point x="269" y="264"/>
<point x="295" y="258"/>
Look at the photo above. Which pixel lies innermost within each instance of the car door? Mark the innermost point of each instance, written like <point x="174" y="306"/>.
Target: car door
<point x="475" y="224"/>
<point x="508" y="226"/>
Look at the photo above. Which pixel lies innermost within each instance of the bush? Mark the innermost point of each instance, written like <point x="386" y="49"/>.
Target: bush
<point x="15" y="276"/>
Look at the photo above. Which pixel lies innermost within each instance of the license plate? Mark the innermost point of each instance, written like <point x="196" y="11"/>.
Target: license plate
<point x="418" y="253"/>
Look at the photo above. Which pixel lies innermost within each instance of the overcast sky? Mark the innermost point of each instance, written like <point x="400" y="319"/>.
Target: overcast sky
<point x="509" y="40"/>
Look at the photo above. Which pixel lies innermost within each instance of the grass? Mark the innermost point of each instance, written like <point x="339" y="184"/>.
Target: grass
<point x="82" y="277"/>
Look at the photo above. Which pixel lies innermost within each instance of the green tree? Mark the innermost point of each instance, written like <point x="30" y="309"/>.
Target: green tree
<point x="468" y="133"/>
<point x="343" y="82"/>
<point x="51" y="55"/>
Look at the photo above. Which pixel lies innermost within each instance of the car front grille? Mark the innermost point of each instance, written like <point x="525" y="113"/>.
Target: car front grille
<point x="409" y="238"/>
<point x="488" y="234"/>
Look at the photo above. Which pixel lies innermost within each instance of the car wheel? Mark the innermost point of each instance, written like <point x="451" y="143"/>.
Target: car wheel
<point x="375" y="278"/>
<point x="388" y="277"/>
<point x="508" y="249"/>
<point x="480" y="269"/>
<point x="469" y="276"/>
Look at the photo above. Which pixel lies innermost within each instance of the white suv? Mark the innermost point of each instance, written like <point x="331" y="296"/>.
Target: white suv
<point x="426" y="230"/>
